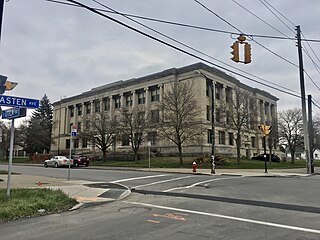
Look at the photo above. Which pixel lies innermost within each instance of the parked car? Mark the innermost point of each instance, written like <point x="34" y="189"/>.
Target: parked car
<point x="80" y="160"/>
<point x="274" y="158"/>
<point x="58" y="161"/>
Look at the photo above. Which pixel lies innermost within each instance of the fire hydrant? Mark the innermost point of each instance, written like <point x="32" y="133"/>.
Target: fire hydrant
<point x="194" y="167"/>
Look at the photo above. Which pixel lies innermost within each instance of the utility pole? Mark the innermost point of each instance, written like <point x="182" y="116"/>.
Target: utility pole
<point x="310" y="126"/>
<point x="303" y="102"/>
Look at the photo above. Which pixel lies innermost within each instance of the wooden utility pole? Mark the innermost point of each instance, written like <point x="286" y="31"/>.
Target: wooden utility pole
<point x="303" y="102"/>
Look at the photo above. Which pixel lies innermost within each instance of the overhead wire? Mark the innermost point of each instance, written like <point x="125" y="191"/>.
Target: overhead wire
<point x="305" y="50"/>
<point x="176" y="48"/>
<point x="265" y="22"/>
<point x="261" y="45"/>
<point x="265" y="2"/>
<point x="193" y="49"/>
<point x="188" y="25"/>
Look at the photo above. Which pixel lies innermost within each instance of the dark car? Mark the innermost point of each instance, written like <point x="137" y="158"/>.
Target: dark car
<point x="274" y="158"/>
<point x="79" y="160"/>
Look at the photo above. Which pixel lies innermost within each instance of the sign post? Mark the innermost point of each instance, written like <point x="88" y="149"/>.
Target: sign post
<point x="19" y="110"/>
<point x="73" y="134"/>
<point x="10" y="158"/>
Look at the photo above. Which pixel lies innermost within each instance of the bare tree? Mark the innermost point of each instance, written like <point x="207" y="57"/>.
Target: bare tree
<point x="240" y="116"/>
<point x="180" y="113"/>
<point x="100" y="128"/>
<point x="291" y="130"/>
<point x="133" y="125"/>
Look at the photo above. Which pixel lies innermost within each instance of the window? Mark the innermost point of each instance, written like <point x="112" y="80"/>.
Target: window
<point x="97" y="106"/>
<point x="106" y="104"/>
<point x="76" y="143"/>
<point x="88" y="125"/>
<point x="152" y="137"/>
<point x="125" y="140"/>
<point x="208" y="89"/>
<point x="79" y="126"/>
<point x="222" y="137"/>
<point x="228" y="94"/>
<point x="141" y="98"/>
<point x="128" y="100"/>
<point x="117" y="102"/>
<point x="218" y="91"/>
<point x="155" y="116"/>
<point x="71" y="109"/>
<point x="88" y="108"/>
<point x="79" y="110"/>
<point x="218" y="116"/>
<point x="208" y="113"/>
<point x="68" y="143"/>
<point x="84" y="143"/>
<point x="231" y="139"/>
<point x="209" y="136"/>
<point x="155" y="94"/>
<point x="253" y="142"/>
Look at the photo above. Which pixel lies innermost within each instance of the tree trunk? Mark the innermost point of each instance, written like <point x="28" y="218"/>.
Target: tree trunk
<point x="104" y="156"/>
<point x="292" y="157"/>
<point x="238" y="142"/>
<point x="180" y="154"/>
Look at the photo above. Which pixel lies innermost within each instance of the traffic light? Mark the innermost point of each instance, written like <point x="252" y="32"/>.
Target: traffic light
<point x="6" y="85"/>
<point x="247" y="53"/>
<point x="235" y="52"/>
<point x="265" y="129"/>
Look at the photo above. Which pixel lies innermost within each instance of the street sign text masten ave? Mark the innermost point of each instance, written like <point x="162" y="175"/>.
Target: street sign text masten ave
<point x="11" y="101"/>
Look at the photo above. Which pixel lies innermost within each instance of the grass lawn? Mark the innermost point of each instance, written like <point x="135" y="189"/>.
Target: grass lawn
<point x="27" y="202"/>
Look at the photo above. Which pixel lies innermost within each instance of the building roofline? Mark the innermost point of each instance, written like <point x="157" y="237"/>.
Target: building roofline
<point x="171" y="71"/>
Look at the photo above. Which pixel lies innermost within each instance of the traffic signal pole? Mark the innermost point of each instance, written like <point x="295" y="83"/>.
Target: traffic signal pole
<point x="303" y="102"/>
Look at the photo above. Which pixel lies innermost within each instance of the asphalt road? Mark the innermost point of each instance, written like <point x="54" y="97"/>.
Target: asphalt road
<point x="182" y="206"/>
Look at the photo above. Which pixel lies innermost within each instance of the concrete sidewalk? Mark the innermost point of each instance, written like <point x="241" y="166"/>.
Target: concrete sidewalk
<point x="86" y="192"/>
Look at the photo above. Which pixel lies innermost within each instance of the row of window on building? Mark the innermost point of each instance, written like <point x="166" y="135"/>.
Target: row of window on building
<point x="117" y="104"/>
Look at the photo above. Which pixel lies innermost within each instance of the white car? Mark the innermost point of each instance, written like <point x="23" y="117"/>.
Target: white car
<point x="58" y="161"/>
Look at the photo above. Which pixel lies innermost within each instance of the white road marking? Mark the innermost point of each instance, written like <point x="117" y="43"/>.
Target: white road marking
<point x="159" y="182"/>
<point x="137" y="178"/>
<point x="271" y="224"/>
<point x="198" y="183"/>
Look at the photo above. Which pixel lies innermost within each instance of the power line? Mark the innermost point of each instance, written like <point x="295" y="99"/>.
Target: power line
<point x="187" y="46"/>
<point x="261" y="45"/>
<point x="262" y="1"/>
<point x="279" y="13"/>
<point x="188" y="25"/>
<point x="176" y="48"/>
<point x="304" y="49"/>
<point x="255" y="15"/>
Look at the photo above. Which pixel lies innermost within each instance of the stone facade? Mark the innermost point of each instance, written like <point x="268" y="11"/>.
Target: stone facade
<point x="148" y="91"/>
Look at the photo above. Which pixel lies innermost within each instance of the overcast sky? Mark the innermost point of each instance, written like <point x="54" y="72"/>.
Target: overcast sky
<point x="62" y="51"/>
